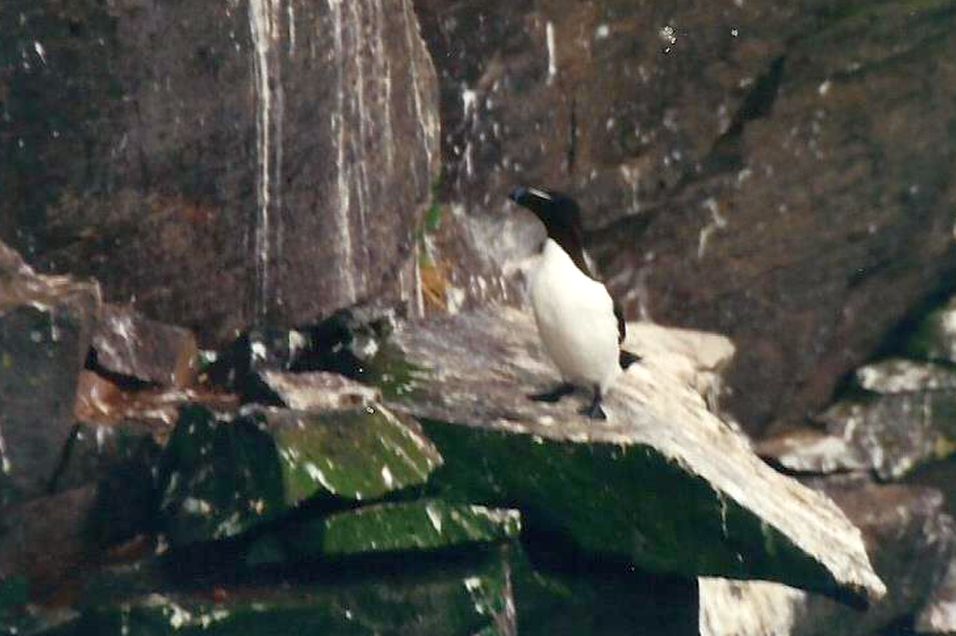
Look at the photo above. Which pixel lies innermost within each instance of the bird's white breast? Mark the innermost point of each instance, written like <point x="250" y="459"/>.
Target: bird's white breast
<point x="575" y="316"/>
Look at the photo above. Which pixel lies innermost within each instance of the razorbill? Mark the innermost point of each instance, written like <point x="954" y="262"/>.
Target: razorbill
<point x="580" y="326"/>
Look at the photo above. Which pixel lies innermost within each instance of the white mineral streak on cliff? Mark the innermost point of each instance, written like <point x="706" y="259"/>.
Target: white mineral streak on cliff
<point x="383" y="71"/>
<point x="264" y="25"/>
<point x="366" y="121"/>
<point x="427" y="117"/>
<point x="5" y="465"/>
<point x="290" y="17"/>
<point x="552" y="52"/>
<point x="342" y="165"/>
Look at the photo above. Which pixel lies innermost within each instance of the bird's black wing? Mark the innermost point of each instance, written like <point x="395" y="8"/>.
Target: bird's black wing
<point x="626" y="358"/>
<point x="621" y="325"/>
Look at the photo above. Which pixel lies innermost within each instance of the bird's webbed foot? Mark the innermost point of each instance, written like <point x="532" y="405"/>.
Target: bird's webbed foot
<point x="554" y="394"/>
<point x="595" y="411"/>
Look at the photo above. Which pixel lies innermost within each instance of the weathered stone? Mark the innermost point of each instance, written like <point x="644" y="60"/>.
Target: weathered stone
<point x="269" y="162"/>
<point x="46" y="539"/>
<point x="889" y="434"/>
<point x="811" y="451"/>
<point x="319" y="391"/>
<point x="938" y="616"/>
<point x="101" y="402"/>
<point x="695" y="357"/>
<point x="218" y="478"/>
<point x="737" y="517"/>
<point x="94" y="451"/>
<point x="601" y="600"/>
<point x="18" y="616"/>
<point x="690" y="133"/>
<point x="910" y="538"/>
<point x="353" y="455"/>
<point x="45" y="327"/>
<point x="898" y="375"/>
<point x="894" y="433"/>
<point x="129" y="344"/>
<point x="391" y="527"/>
<point x="338" y="344"/>
<point x="470" y="596"/>
<point x="748" y="608"/>
<point x="456" y="273"/>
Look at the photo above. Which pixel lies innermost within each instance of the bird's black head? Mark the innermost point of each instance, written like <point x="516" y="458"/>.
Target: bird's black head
<point x="557" y="211"/>
<point x="561" y="217"/>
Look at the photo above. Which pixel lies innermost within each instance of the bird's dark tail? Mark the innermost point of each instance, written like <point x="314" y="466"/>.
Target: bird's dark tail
<point x="627" y="359"/>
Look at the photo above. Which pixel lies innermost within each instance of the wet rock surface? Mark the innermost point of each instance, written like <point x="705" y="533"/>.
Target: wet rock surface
<point x="690" y="134"/>
<point x="565" y="470"/>
<point x="189" y="175"/>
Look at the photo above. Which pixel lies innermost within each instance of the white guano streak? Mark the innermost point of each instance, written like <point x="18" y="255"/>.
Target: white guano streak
<point x="552" y="52"/>
<point x="383" y="71"/>
<point x="5" y="465"/>
<point x="426" y="120"/>
<point x="264" y="29"/>
<point x="365" y="122"/>
<point x="343" y="171"/>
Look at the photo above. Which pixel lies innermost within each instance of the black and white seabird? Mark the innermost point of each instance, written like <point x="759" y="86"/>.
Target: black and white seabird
<point x="580" y="325"/>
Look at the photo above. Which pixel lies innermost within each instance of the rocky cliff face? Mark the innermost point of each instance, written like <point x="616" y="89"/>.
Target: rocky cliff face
<point x="192" y="157"/>
<point x="250" y="365"/>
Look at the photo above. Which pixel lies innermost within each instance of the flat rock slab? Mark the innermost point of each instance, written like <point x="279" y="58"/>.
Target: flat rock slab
<point x="911" y="539"/>
<point x="664" y="483"/>
<point x="469" y="597"/>
<point x="222" y="476"/>
<point x="899" y="375"/>
<point x="318" y="391"/>
<point x="128" y="343"/>
<point x="416" y="526"/>
<point x="888" y="435"/>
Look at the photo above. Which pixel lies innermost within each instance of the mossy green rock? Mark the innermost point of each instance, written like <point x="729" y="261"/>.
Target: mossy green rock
<point x="422" y="525"/>
<point x="219" y="477"/>
<point x="356" y="454"/>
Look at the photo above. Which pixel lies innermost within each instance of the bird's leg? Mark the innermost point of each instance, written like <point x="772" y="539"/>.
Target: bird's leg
<point x="595" y="412"/>
<point x="554" y="394"/>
